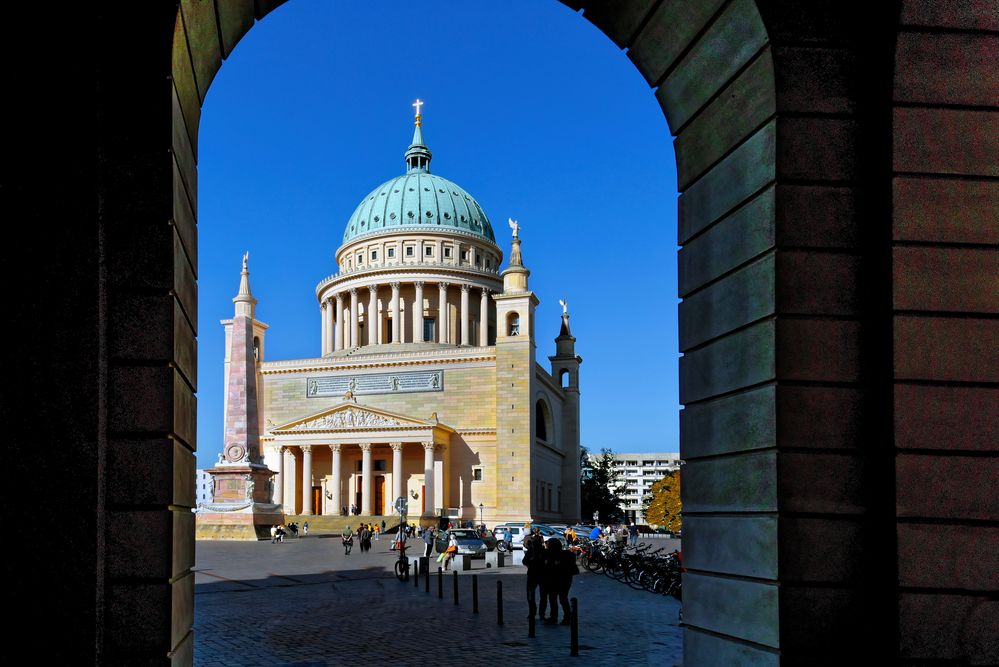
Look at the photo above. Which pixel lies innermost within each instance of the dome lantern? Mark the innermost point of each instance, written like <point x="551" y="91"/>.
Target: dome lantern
<point x="418" y="155"/>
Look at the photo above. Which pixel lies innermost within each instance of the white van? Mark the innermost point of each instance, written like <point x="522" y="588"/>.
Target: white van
<point x="517" y="533"/>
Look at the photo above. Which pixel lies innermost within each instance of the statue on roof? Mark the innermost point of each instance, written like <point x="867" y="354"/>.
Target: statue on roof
<point x="515" y="226"/>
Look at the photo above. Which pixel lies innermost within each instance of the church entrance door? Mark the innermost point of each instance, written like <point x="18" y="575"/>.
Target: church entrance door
<point x="317" y="499"/>
<point x="379" y="495"/>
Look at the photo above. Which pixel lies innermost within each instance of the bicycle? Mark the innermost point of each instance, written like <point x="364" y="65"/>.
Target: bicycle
<point x="402" y="564"/>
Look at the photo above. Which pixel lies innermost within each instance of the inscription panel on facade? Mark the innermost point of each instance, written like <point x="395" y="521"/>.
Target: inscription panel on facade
<point x="378" y="383"/>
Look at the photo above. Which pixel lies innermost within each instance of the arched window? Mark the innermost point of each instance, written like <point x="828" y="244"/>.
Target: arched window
<point x="542" y="421"/>
<point x="256" y="348"/>
<point x="513" y="324"/>
<point x="563" y="378"/>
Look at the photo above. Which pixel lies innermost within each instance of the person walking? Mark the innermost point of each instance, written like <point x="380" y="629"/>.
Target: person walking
<point x="383" y="525"/>
<point x="273" y="533"/>
<point x="347" y="539"/>
<point x="367" y="538"/>
<point x="559" y="568"/>
<point x="305" y="528"/>
<point x="428" y="538"/>
<point x="633" y="533"/>
<point x="534" y="560"/>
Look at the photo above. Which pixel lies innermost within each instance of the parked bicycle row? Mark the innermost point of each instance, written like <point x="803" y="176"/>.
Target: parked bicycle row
<point x="641" y="567"/>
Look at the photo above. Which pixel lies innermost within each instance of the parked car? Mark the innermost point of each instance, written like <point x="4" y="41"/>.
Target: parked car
<point x="548" y="531"/>
<point x="516" y="533"/>
<point x="468" y="539"/>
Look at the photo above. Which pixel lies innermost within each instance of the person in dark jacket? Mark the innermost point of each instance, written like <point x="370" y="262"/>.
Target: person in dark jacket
<point x="559" y="568"/>
<point x="534" y="560"/>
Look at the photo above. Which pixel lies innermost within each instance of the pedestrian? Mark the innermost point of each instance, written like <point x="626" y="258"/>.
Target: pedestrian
<point x="507" y="538"/>
<point x="383" y="525"/>
<point x="347" y="539"/>
<point x="374" y="531"/>
<point x="534" y="560"/>
<point x="451" y="551"/>
<point x="366" y="538"/>
<point x="273" y="533"/>
<point x="560" y="567"/>
<point x="280" y="533"/>
<point x="570" y="535"/>
<point x="633" y="530"/>
<point x="305" y="528"/>
<point x="595" y="534"/>
<point x="428" y="538"/>
<point x="343" y="510"/>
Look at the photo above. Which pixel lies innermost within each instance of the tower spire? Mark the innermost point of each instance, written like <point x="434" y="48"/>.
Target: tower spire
<point x="245" y="303"/>
<point x="418" y="155"/>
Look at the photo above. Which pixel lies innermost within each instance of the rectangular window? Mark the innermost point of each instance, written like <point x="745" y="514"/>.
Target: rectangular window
<point x="447" y="252"/>
<point x="410" y="251"/>
<point x="478" y="260"/>
<point x="374" y="254"/>
<point x="477" y="474"/>
<point x="391" y="252"/>
<point x="429" y="329"/>
<point x="360" y="258"/>
<point x="488" y="264"/>
<point x="464" y="255"/>
<point x="428" y="251"/>
<point x="380" y="465"/>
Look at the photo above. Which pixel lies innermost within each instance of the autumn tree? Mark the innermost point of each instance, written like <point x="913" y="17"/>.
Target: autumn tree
<point x="662" y="503"/>
<point x="599" y="486"/>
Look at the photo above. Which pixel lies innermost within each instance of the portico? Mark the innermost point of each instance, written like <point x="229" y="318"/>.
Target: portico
<point x="354" y="455"/>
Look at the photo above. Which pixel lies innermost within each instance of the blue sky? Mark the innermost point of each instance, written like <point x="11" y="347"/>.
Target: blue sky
<point x="529" y="108"/>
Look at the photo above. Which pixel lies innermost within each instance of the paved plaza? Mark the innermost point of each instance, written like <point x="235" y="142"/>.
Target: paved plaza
<point x="305" y="603"/>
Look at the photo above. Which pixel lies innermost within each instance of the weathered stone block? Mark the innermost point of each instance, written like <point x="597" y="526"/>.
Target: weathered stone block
<point x="181" y="608"/>
<point x="814" y="621"/>
<point x="817" y="482"/>
<point x="700" y="648"/>
<point x="618" y="21"/>
<point x="744" y="482"/>
<point x="941" y="69"/>
<point x="959" y="14"/>
<point x="139" y="543"/>
<point x="819" y="417"/>
<point x="946" y="487"/>
<point x="738" y="608"/>
<point x="739" y="422"/>
<point x="814" y="216"/>
<point x="938" y="627"/>
<point x="140" y="327"/>
<point x="738" y="360"/>
<point x="820" y="149"/>
<point x="815" y="80"/>
<point x="939" y="348"/>
<point x="745" y="545"/>
<point x="182" y="71"/>
<point x="184" y="219"/>
<point x="947" y="556"/>
<point x="137" y="618"/>
<point x="235" y="19"/>
<point x="945" y="279"/>
<point x="667" y="33"/>
<point x="806" y="546"/>
<point x="944" y="210"/>
<point x="200" y="24"/>
<point x="814" y="283"/>
<point x="946" y="141"/>
<point x="818" y="350"/>
<point x="959" y="418"/>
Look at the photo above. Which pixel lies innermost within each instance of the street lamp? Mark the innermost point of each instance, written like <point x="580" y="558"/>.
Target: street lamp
<point x="596" y="517"/>
<point x="481" y="520"/>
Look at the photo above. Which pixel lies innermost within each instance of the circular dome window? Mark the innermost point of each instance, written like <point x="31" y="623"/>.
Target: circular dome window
<point x="429" y="214"/>
<point x="392" y="215"/>
<point x="447" y="216"/>
<point x="377" y="218"/>
<point x="409" y="213"/>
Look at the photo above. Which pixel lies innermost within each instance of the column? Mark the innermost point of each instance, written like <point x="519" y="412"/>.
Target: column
<point x="428" y="477"/>
<point x="324" y="317"/>
<point x="338" y="324"/>
<point x="354" y="341"/>
<point x="366" y="478"/>
<point x="396" y="329"/>
<point x="279" y="479"/>
<point x="442" y="313"/>
<point x="290" y="481"/>
<point x="397" y="490"/>
<point x="337" y="499"/>
<point x="418" y="314"/>
<point x="372" y="315"/>
<point x="464" y="314"/>
<point x="306" y="479"/>
<point x="484" y="318"/>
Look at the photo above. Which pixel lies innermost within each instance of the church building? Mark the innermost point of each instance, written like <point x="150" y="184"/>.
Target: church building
<point x="427" y="384"/>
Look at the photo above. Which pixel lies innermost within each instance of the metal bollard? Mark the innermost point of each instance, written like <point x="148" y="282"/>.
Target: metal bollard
<point x="475" y="594"/>
<point x="573" y="628"/>
<point x="426" y="579"/>
<point x="440" y="584"/>
<point x="454" y="580"/>
<point x="530" y="626"/>
<point x="499" y="603"/>
<point x="416" y="574"/>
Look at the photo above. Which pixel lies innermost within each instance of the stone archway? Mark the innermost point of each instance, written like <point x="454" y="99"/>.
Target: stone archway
<point x="817" y="355"/>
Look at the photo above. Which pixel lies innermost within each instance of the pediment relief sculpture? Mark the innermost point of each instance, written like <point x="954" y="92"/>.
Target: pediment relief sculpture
<point x="349" y="418"/>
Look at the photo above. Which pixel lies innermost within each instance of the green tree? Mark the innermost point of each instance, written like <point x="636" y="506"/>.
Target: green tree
<point x="662" y="504"/>
<point x="599" y="486"/>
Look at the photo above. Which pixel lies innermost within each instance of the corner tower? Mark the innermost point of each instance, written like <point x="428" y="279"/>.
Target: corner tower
<point x="515" y="378"/>
<point x="565" y="369"/>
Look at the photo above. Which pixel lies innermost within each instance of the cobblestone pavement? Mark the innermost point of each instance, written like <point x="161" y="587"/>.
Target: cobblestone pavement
<point x="304" y="603"/>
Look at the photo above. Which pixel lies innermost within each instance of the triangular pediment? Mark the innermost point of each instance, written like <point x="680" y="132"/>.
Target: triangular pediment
<point x="349" y="416"/>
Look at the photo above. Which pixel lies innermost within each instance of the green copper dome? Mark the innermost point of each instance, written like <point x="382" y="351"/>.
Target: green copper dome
<point x="418" y="201"/>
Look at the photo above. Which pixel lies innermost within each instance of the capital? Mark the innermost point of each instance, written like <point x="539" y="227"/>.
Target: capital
<point x="428" y="446"/>
<point x="335" y="448"/>
<point x="394" y="286"/>
<point x="339" y="298"/>
<point x="465" y="288"/>
<point x="396" y="446"/>
<point x="373" y="289"/>
<point x="419" y="284"/>
<point x="306" y="449"/>
<point x="365" y="447"/>
<point x="443" y="286"/>
<point x="353" y="291"/>
<point x="485" y="291"/>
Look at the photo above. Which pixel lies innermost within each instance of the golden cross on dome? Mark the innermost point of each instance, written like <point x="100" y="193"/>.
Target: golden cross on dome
<point x="418" y="103"/>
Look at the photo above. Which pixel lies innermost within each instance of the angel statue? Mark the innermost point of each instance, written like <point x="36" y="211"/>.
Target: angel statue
<point x="246" y="259"/>
<point x="565" y="306"/>
<point x="515" y="226"/>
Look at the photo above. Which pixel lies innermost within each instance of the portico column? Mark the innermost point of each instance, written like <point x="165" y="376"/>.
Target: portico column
<point x="396" y="469"/>
<point x="372" y="317"/>
<point x="324" y="317"/>
<point x="279" y="479"/>
<point x="428" y="478"/>
<point x="396" y="329"/>
<point x="306" y="479"/>
<point x="484" y="318"/>
<point x="366" y="478"/>
<point x="418" y="314"/>
<point x="289" y="484"/>
<point x="442" y="313"/>
<point x="464" y="314"/>
<point x="335" y="491"/>
<point x="354" y="339"/>
<point x="338" y="324"/>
